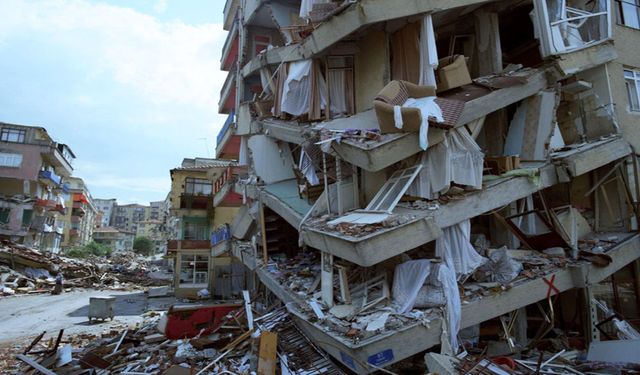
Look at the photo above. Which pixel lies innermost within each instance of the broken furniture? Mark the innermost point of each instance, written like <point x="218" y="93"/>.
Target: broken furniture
<point x="101" y="308"/>
<point x="396" y="93"/>
<point x="452" y="72"/>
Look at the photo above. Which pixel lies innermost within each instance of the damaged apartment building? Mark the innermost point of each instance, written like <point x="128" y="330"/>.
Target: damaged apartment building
<point x="33" y="185"/>
<point x="420" y="174"/>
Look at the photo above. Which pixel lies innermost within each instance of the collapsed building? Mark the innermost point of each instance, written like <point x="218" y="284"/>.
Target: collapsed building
<point x="420" y="173"/>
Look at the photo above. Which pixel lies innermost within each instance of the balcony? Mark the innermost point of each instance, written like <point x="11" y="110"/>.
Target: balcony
<point x="230" y="10"/>
<point x="230" y="49"/>
<point x="80" y="197"/>
<point x="227" y="142"/>
<point x="45" y="203"/>
<point x="224" y="196"/>
<point x="74" y="233"/>
<point x="55" y="157"/>
<point x="177" y="245"/>
<point x="228" y="94"/>
<point x="49" y="178"/>
<point x="196" y="202"/>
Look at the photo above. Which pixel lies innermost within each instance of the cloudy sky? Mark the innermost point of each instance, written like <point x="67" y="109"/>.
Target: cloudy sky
<point x="131" y="85"/>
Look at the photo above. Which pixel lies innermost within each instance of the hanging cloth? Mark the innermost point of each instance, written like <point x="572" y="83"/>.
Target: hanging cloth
<point x="428" y="53"/>
<point x="455" y="248"/>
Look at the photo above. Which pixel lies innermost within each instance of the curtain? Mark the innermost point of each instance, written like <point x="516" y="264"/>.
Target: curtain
<point x="337" y="90"/>
<point x="428" y="53"/>
<point x="406" y="53"/>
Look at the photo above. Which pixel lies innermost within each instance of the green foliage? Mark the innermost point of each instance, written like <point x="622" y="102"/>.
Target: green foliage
<point x="92" y="248"/>
<point x="143" y="246"/>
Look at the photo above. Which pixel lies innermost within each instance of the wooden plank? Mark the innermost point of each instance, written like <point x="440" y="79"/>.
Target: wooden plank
<point x="35" y="364"/>
<point x="267" y="353"/>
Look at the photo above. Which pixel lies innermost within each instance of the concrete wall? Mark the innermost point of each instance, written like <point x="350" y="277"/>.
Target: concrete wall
<point x="627" y="41"/>
<point x="371" y="68"/>
<point x="31" y="160"/>
<point x="224" y="215"/>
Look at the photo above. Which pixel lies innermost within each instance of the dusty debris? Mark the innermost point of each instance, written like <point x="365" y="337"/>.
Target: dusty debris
<point x="26" y="270"/>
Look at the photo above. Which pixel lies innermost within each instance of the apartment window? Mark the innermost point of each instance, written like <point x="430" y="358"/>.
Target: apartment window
<point x="27" y="215"/>
<point x="194" y="270"/>
<point x="628" y="13"/>
<point x="195" y="231"/>
<point x="632" y="81"/>
<point x="4" y="215"/>
<point x="197" y="186"/>
<point x="12" y="135"/>
<point x="10" y="160"/>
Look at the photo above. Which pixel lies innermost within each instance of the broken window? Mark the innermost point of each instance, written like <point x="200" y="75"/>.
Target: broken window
<point x="392" y="190"/>
<point x="194" y="270"/>
<point x="628" y="12"/>
<point x="570" y="25"/>
<point x="632" y="82"/>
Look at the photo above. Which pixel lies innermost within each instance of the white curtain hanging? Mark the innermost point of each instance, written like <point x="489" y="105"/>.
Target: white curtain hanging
<point x="428" y="53"/>
<point x="337" y="92"/>
<point x="297" y="88"/>
<point x="455" y="248"/>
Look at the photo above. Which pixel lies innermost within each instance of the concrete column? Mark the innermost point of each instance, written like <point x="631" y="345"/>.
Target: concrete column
<point x="326" y="279"/>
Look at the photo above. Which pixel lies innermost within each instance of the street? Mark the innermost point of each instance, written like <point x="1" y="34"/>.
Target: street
<point x="26" y="316"/>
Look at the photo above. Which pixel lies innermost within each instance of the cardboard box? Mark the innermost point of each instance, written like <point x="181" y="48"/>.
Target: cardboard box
<point x="452" y="72"/>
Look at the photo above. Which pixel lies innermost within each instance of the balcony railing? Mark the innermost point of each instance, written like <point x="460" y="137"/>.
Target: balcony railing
<point x="227" y="125"/>
<point x="47" y="203"/>
<point x="173" y="245"/>
<point x="50" y="176"/>
<point x="196" y="202"/>
<point x="221" y="234"/>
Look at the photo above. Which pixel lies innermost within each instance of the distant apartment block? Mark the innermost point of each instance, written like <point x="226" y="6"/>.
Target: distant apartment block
<point x="105" y="211"/>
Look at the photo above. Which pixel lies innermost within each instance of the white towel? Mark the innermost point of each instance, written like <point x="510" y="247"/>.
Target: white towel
<point x="397" y="116"/>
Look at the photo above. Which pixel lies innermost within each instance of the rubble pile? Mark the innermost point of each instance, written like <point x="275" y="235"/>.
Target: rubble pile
<point x="235" y="344"/>
<point x="26" y="270"/>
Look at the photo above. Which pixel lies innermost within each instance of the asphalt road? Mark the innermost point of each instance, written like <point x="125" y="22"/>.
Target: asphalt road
<point x="26" y="316"/>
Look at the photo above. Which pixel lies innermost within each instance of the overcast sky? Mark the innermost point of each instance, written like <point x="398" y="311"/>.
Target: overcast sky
<point x="132" y="86"/>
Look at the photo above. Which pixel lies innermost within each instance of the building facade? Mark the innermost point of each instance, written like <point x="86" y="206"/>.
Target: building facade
<point x="118" y="240"/>
<point x="33" y="168"/>
<point x="81" y="214"/>
<point x="195" y="219"/>
<point x="105" y="211"/>
<point x="382" y="140"/>
<point x="126" y="217"/>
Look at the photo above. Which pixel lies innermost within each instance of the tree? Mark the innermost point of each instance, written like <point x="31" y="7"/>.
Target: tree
<point x="92" y="248"/>
<point x="143" y="246"/>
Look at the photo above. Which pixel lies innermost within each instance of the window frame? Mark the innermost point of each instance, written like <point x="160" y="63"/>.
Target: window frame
<point x="7" y="132"/>
<point x="10" y="156"/>
<point x="192" y="257"/>
<point x="385" y="192"/>
<point x="620" y="12"/>
<point x="194" y="182"/>
<point x="635" y="78"/>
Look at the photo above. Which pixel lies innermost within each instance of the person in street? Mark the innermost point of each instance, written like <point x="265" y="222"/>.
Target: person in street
<point x="58" y="288"/>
